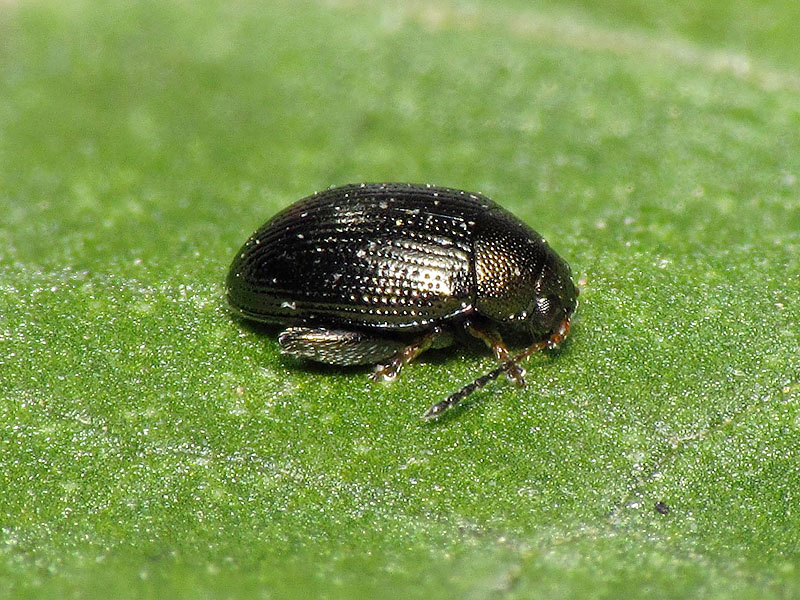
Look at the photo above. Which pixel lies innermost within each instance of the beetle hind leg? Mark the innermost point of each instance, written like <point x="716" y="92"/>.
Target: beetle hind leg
<point x="435" y="338"/>
<point x="336" y="346"/>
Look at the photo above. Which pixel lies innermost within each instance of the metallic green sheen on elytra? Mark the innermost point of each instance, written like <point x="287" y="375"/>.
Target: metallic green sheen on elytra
<point x="357" y="271"/>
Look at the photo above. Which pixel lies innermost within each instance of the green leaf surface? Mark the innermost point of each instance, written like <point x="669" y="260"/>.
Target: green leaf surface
<point x="150" y="445"/>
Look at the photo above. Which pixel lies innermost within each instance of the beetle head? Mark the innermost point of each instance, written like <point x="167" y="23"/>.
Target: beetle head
<point x="555" y="298"/>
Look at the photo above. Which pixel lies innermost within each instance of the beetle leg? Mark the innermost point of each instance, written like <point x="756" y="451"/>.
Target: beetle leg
<point x="436" y="338"/>
<point x="492" y="339"/>
<point x="336" y="346"/>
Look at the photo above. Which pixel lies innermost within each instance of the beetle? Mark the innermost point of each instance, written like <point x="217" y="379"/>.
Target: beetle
<point x="377" y="273"/>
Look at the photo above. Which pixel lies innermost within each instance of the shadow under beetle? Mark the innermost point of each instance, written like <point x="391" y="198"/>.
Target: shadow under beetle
<point x="377" y="273"/>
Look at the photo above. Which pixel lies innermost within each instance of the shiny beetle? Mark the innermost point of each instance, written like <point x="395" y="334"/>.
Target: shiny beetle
<point x="377" y="273"/>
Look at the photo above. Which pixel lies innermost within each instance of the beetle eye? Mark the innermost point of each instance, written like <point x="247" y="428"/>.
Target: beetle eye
<point x="544" y="306"/>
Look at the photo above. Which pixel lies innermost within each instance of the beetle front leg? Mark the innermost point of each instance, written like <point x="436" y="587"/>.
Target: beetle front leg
<point x="435" y="338"/>
<point x="493" y="340"/>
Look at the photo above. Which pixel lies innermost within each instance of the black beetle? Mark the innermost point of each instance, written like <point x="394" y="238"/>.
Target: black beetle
<point x="662" y="508"/>
<point x="377" y="273"/>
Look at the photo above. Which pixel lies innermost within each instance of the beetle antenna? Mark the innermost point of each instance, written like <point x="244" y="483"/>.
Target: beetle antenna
<point x="440" y="407"/>
<point x="554" y="340"/>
